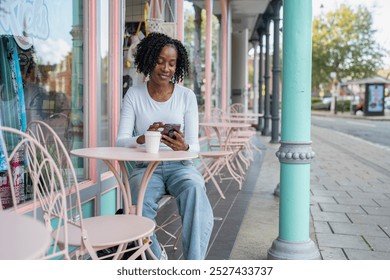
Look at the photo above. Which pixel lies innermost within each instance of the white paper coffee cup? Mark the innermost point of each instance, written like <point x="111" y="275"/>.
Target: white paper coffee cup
<point x="152" y="141"/>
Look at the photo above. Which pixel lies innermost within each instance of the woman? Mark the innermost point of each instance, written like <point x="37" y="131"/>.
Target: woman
<point x="164" y="61"/>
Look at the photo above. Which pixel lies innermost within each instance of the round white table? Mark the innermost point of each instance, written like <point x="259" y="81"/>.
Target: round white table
<point x="22" y="237"/>
<point x="120" y="154"/>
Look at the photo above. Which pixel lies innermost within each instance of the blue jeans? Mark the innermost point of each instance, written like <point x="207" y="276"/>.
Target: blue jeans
<point x="183" y="181"/>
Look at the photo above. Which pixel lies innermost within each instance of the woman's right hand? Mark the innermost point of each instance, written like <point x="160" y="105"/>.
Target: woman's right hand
<point x="156" y="126"/>
<point x="153" y="127"/>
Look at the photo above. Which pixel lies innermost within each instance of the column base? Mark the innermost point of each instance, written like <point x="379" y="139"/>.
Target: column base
<point x="266" y="132"/>
<point x="287" y="250"/>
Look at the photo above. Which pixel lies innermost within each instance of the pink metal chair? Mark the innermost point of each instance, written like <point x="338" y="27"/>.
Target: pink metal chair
<point x="42" y="173"/>
<point x="237" y="108"/>
<point x="97" y="233"/>
<point x="174" y="235"/>
<point x="222" y="153"/>
<point x="213" y="160"/>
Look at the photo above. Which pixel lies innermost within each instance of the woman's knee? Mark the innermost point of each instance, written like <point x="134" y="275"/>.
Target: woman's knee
<point x="194" y="187"/>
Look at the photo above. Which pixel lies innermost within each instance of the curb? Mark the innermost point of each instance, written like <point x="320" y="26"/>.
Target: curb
<point x="349" y="116"/>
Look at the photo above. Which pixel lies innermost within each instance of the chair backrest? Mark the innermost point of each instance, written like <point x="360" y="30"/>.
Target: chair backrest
<point x="237" y="108"/>
<point x="61" y="124"/>
<point x="217" y="115"/>
<point x="49" y="139"/>
<point x="41" y="172"/>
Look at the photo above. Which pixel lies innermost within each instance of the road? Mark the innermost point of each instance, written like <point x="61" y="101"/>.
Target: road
<point x="377" y="132"/>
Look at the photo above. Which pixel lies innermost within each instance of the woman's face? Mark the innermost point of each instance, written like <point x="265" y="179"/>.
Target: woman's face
<point x="165" y="67"/>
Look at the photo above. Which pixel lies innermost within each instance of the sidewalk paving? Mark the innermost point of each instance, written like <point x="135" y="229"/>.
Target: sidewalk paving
<point x="350" y="187"/>
<point x="350" y="202"/>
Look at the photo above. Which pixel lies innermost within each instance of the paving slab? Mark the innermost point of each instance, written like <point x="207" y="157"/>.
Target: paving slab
<point x="381" y="244"/>
<point x="328" y="253"/>
<point x="322" y="227"/>
<point x="386" y="229"/>
<point x="357" y="229"/>
<point x="318" y="187"/>
<point x="357" y="201"/>
<point x="341" y="208"/>
<point x="333" y="193"/>
<point x="372" y="195"/>
<point x="351" y="187"/>
<point x="369" y="219"/>
<point x="330" y="217"/>
<point x="380" y="211"/>
<point x="325" y="199"/>
<point x="341" y="241"/>
<point x="383" y="202"/>
<point x="377" y="188"/>
<point x="354" y="254"/>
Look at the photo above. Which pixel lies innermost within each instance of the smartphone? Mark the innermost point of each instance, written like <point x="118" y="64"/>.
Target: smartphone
<point x="169" y="128"/>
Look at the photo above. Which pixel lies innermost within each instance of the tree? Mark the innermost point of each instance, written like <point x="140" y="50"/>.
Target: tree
<point x="344" y="43"/>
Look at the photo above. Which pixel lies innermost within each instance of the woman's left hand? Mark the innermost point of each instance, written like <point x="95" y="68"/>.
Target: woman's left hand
<point x="177" y="144"/>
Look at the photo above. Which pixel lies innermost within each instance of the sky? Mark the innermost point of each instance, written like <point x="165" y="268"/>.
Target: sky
<point x="381" y="17"/>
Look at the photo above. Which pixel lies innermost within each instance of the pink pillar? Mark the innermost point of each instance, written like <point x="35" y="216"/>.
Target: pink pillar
<point x="115" y="96"/>
<point x="207" y="103"/>
<point x="224" y="59"/>
<point x="92" y="84"/>
<point x="180" y="20"/>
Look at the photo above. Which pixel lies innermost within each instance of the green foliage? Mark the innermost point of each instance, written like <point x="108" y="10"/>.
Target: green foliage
<point x="344" y="43"/>
<point x="315" y="100"/>
<point x="343" y="105"/>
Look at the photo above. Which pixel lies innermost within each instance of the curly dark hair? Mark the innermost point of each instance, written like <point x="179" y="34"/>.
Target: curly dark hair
<point x="150" y="48"/>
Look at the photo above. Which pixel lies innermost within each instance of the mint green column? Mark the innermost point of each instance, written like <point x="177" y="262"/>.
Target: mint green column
<point x="295" y="152"/>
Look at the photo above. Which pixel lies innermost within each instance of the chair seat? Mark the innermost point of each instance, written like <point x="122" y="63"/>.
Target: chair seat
<point x="101" y="234"/>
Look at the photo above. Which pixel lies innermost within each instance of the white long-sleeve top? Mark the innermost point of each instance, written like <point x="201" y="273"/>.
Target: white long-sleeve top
<point x="139" y="111"/>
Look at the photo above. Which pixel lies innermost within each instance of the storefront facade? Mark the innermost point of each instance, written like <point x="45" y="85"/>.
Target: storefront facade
<point x="69" y="64"/>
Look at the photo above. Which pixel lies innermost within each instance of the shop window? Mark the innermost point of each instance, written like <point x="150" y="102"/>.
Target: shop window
<point x="42" y="65"/>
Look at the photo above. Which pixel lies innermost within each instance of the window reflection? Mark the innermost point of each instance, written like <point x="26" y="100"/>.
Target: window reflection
<point x="41" y="70"/>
